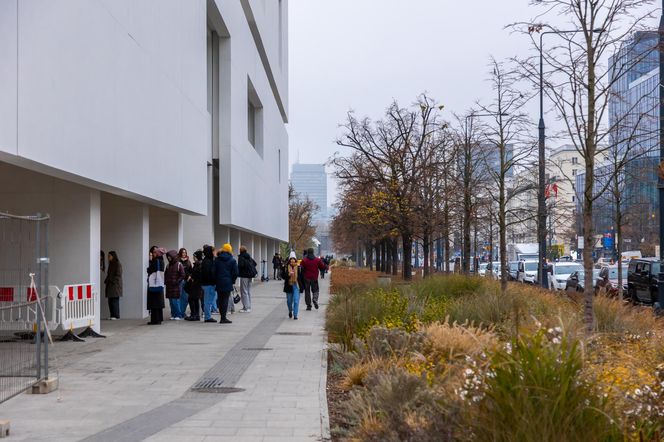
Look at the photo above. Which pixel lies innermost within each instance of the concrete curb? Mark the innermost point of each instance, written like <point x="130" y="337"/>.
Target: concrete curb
<point x="322" y="395"/>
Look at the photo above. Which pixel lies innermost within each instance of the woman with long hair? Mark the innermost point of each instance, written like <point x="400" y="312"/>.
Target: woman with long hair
<point x="292" y="276"/>
<point x="113" y="283"/>
<point x="183" y="257"/>
<point x="156" y="285"/>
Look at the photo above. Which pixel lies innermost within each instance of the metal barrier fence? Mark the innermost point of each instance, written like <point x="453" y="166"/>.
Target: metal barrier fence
<point x="24" y="302"/>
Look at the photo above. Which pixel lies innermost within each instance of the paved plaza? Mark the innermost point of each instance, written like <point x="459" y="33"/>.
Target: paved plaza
<point x="261" y="378"/>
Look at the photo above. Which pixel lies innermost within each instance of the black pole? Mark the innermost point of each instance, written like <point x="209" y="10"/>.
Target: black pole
<point x="541" y="203"/>
<point x="660" y="184"/>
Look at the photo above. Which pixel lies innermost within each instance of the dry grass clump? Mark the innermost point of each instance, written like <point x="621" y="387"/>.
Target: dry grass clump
<point x="613" y="316"/>
<point x="356" y="374"/>
<point x="447" y="342"/>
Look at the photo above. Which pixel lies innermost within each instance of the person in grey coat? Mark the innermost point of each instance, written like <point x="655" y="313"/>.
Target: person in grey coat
<point x="113" y="283"/>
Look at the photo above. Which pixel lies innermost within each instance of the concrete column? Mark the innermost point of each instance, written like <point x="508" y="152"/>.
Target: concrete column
<point x="235" y="238"/>
<point x="165" y="228"/>
<point x="125" y="228"/>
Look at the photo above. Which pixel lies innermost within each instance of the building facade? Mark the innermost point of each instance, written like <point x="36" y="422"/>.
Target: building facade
<point x="629" y="169"/>
<point x="310" y="180"/>
<point x="135" y="124"/>
<point x="563" y="165"/>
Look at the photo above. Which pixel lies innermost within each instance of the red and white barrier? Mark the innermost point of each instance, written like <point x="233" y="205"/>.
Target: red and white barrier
<point x="78" y="306"/>
<point x="19" y="308"/>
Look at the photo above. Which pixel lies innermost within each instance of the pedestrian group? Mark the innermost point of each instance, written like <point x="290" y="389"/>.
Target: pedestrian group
<point x="207" y="285"/>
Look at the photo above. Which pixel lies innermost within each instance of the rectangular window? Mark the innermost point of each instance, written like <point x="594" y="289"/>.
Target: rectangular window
<point x="573" y="198"/>
<point x="254" y="118"/>
<point x="573" y="172"/>
<point x="279" y="166"/>
<point x="575" y="160"/>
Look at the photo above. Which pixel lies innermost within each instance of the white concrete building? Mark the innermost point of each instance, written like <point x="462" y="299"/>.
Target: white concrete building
<point x="159" y="122"/>
<point x="563" y="165"/>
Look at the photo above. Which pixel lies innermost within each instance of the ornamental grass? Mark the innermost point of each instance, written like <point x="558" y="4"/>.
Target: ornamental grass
<point x="451" y="358"/>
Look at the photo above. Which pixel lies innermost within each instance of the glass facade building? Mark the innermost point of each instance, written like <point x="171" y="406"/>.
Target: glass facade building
<point x="310" y="180"/>
<point x="633" y="121"/>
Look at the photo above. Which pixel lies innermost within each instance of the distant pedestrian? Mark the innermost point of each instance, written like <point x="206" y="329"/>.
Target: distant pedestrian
<point x="277" y="264"/>
<point x="155" y="302"/>
<point x="113" y="283"/>
<point x="325" y="266"/>
<point x="194" y="288"/>
<point x="173" y="277"/>
<point x="183" y="256"/>
<point x="208" y="282"/>
<point x="247" y="270"/>
<point x="292" y="275"/>
<point x="226" y="273"/>
<point x="311" y="265"/>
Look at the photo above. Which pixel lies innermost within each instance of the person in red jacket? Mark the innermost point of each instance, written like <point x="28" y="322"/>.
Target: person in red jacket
<point x="311" y="266"/>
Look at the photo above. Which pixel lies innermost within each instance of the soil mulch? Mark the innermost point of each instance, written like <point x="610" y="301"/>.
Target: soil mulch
<point x="335" y="397"/>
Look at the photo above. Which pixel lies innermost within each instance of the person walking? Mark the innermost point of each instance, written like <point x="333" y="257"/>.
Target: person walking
<point x="208" y="282"/>
<point x="183" y="256"/>
<point x="155" y="302"/>
<point x="173" y="277"/>
<point x="291" y="273"/>
<point x="113" y="283"/>
<point x="226" y="273"/>
<point x="194" y="288"/>
<point x="247" y="271"/>
<point x="311" y="266"/>
<point x="324" y="269"/>
<point x="277" y="264"/>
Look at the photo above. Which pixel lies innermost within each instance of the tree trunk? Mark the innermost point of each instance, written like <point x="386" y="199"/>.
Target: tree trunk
<point x="369" y="251"/>
<point x="591" y="149"/>
<point x="388" y="256"/>
<point x="502" y="232"/>
<point x="618" y="232"/>
<point x="465" y="267"/>
<point x="425" y="252"/>
<point x="383" y="256"/>
<point x="407" y="240"/>
<point x="377" y="250"/>
<point x="395" y="256"/>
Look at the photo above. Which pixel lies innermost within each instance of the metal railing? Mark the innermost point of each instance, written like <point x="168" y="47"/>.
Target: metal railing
<point x="24" y="299"/>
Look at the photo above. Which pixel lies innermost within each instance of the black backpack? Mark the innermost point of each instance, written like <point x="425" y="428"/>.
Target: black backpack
<point x="252" y="268"/>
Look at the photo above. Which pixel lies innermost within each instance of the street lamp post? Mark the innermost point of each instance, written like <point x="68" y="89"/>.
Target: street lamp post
<point x="541" y="197"/>
<point x="660" y="184"/>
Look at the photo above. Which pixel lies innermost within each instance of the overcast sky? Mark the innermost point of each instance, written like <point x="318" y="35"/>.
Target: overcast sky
<point x="361" y="54"/>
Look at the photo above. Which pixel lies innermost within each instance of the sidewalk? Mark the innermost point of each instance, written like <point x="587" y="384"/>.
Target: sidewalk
<point x="137" y="384"/>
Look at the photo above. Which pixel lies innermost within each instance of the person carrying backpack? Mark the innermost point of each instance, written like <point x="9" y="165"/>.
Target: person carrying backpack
<point x="247" y="270"/>
<point x="311" y="266"/>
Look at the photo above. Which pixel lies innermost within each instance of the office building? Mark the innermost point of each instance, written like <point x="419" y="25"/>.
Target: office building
<point x="144" y="123"/>
<point x="310" y="180"/>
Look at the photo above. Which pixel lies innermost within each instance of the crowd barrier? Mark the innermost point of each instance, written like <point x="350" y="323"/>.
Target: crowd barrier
<point x="19" y="308"/>
<point x="78" y="309"/>
<point x="73" y="307"/>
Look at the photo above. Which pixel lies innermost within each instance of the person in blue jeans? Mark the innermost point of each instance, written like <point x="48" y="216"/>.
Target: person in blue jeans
<point x="183" y="256"/>
<point x="292" y="276"/>
<point x="209" y="283"/>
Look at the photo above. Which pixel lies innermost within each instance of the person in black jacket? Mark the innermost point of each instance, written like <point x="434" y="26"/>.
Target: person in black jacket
<point x="277" y="264"/>
<point x="113" y="283"/>
<point x="208" y="282"/>
<point x="155" y="301"/>
<point x="247" y="270"/>
<point x="226" y="273"/>
<point x="194" y="288"/>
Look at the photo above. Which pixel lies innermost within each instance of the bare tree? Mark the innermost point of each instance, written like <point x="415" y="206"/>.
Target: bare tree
<point x="579" y="85"/>
<point x="509" y="148"/>
<point x="301" y="229"/>
<point x="389" y="155"/>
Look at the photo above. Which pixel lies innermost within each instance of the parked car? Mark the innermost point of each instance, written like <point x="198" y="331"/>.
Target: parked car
<point x="513" y="268"/>
<point x="527" y="271"/>
<point x="612" y="275"/>
<point x="642" y="280"/>
<point x="561" y="272"/>
<point x="576" y="281"/>
<point x="481" y="271"/>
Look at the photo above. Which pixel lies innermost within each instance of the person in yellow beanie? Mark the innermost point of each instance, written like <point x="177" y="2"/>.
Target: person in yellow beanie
<point x="226" y="273"/>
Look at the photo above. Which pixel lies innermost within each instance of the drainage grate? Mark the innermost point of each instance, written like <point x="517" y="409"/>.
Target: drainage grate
<point x="219" y="390"/>
<point x="293" y="333"/>
<point x="257" y="349"/>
